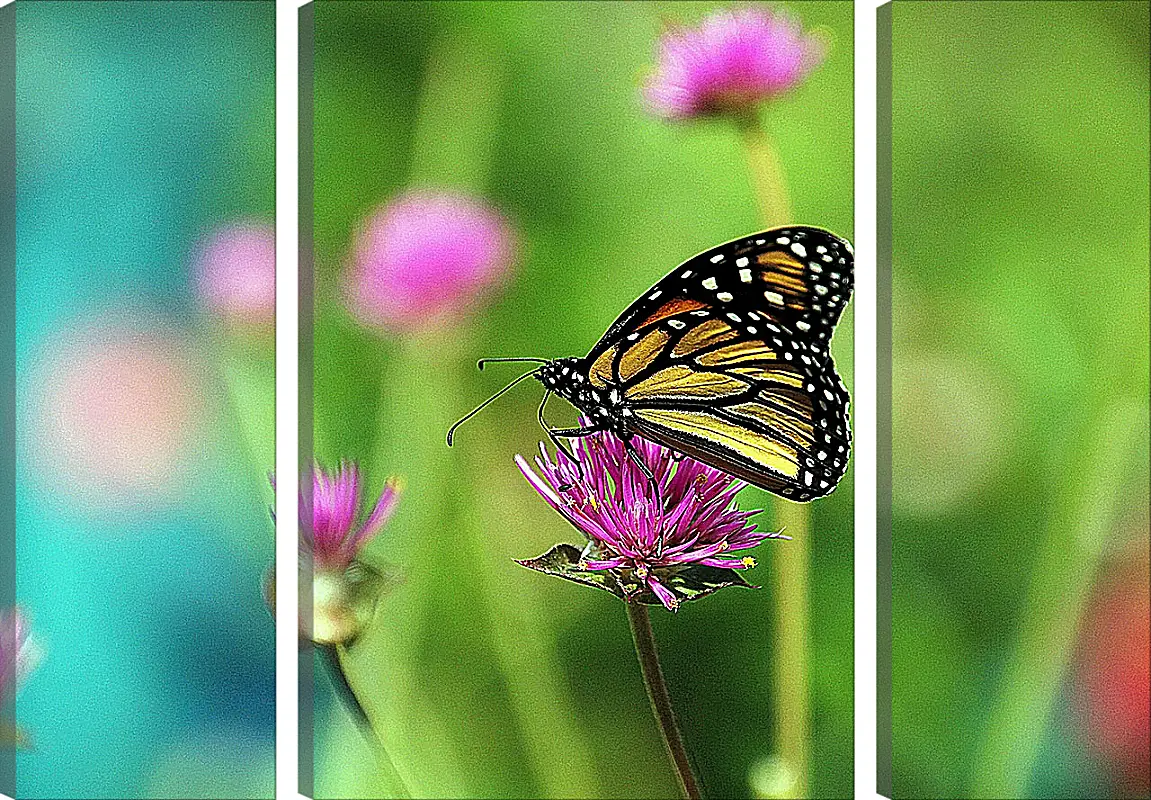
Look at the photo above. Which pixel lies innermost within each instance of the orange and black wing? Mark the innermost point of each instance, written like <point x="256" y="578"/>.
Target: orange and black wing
<point x="726" y="359"/>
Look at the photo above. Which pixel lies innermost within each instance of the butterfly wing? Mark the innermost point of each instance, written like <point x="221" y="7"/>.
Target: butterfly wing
<point x="799" y="276"/>
<point x="726" y="359"/>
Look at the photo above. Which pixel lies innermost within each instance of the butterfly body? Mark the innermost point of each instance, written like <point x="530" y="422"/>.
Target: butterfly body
<point x="727" y="360"/>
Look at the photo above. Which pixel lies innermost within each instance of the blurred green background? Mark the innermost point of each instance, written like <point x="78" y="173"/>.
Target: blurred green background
<point x="488" y="680"/>
<point x="142" y="507"/>
<point x="1020" y="146"/>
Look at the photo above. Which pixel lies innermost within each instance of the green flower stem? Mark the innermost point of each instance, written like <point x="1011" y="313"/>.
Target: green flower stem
<point x="521" y="635"/>
<point x="792" y="689"/>
<point x="790" y="562"/>
<point x="1059" y="588"/>
<point x="247" y="368"/>
<point x="337" y="658"/>
<point x="420" y="383"/>
<point x="766" y="172"/>
<point x="648" y="653"/>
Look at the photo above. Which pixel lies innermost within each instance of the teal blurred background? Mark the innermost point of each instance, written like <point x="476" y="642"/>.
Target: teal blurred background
<point x="142" y="521"/>
<point x="1020" y="207"/>
<point x="486" y="680"/>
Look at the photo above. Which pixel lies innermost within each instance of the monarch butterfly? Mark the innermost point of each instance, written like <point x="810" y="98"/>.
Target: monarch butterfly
<point x="725" y="360"/>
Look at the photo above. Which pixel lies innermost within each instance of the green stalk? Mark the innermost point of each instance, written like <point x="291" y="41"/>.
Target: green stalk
<point x="766" y="173"/>
<point x="1065" y="567"/>
<point x="453" y="143"/>
<point x="653" y="681"/>
<point x="418" y="390"/>
<point x="791" y="562"/>
<point x="521" y="636"/>
<point x="792" y="646"/>
<point x="337" y="658"/>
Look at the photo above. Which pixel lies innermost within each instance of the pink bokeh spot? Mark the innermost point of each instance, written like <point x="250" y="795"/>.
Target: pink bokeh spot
<point x="1113" y="689"/>
<point x="428" y="257"/>
<point x="732" y="61"/>
<point x="235" y="272"/>
<point x="118" y="415"/>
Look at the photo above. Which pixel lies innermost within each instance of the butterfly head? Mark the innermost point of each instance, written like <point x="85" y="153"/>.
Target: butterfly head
<point x="568" y="378"/>
<point x="560" y="375"/>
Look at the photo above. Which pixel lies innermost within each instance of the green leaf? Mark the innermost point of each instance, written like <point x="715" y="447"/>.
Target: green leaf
<point x="687" y="583"/>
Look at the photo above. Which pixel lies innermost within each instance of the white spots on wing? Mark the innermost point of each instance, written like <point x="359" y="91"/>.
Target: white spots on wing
<point x="774" y="297"/>
<point x="782" y="240"/>
<point x="823" y="484"/>
<point x="759" y="241"/>
<point x="631" y="337"/>
<point x="788" y="356"/>
<point x="811" y="387"/>
<point x="718" y="257"/>
<point x="751" y="329"/>
<point x="821" y="455"/>
<point x="733" y="317"/>
<point x="710" y="284"/>
<point x="827" y="393"/>
<point x="773" y="328"/>
<point x="799" y="250"/>
<point x="654" y="295"/>
<point x="725" y="297"/>
<point x="827" y="258"/>
<point x="752" y="315"/>
<point x="687" y="273"/>
<point x="699" y="313"/>
<point x="803" y="326"/>
<point x="847" y="247"/>
<point x="805" y="360"/>
<point x="742" y="262"/>
<point x="745" y="275"/>
<point x="815" y="268"/>
<point x="821" y="249"/>
<point x="677" y="324"/>
<point x="820" y="288"/>
<point x="808" y="478"/>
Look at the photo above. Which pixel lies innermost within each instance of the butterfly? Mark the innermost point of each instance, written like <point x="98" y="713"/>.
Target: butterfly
<point x="725" y="360"/>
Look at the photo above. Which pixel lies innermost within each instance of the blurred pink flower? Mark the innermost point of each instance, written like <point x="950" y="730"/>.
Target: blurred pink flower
<point x="117" y="417"/>
<point x="337" y="532"/>
<point x="1113" y="693"/>
<point x="235" y="272"/>
<point x="19" y="653"/>
<point x="428" y="257"/>
<point x="345" y="590"/>
<point x="731" y="62"/>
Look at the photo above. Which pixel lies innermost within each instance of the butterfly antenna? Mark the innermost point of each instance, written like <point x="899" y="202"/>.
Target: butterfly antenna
<point x="485" y="361"/>
<point x="485" y="404"/>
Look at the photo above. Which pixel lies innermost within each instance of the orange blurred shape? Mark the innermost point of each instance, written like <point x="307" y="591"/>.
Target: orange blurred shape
<point x="1113" y="695"/>
<point x="115" y="413"/>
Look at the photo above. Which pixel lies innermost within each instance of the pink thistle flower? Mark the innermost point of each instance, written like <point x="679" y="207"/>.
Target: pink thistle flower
<point x="235" y="273"/>
<point x="344" y="588"/>
<point x="730" y="62"/>
<point x="337" y="533"/>
<point x="427" y="257"/>
<point x="656" y="541"/>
